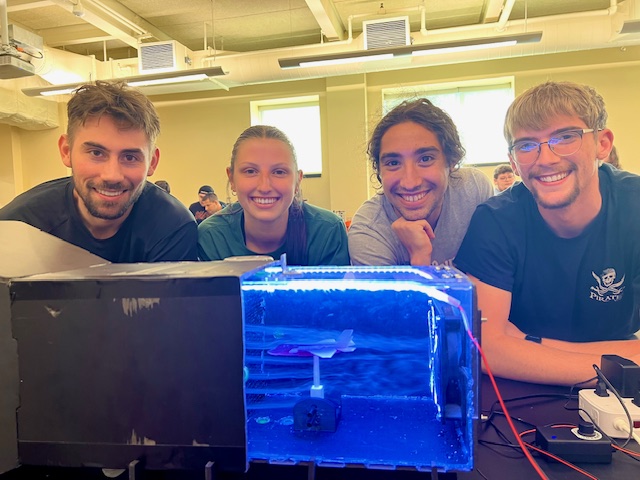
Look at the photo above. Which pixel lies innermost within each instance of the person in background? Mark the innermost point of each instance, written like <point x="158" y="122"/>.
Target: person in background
<point x="163" y="184"/>
<point x="503" y="178"/>
<point x="613" y="159"/>
<point x="107" y="206"/>
<point x="426" y="202"/>
<point x="270" y="217"/>
<point x="556" y="258"/>
<point x="211" y="204"/>
<point x="197" y="208"/>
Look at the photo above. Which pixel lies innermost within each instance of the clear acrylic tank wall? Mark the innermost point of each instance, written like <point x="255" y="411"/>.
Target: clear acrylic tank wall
<point x="361" y="366"/>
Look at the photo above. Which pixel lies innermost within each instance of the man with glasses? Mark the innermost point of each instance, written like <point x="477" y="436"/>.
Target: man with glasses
<point x="556" y="259"/>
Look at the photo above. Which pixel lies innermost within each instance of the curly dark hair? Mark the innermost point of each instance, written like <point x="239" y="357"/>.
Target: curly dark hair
<point x="426" y="114"/>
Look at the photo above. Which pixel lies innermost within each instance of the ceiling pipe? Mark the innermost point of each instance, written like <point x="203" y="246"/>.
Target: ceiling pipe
<point x="105" y="23"/>
<point x="327" y="17"/>
<point x="4" y="25"/>
<point x="423" y="20"/>
<point x="120" y="18"/>
<point x="504" y="15"/>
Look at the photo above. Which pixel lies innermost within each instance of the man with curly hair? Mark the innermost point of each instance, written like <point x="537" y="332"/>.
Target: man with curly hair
<point x="426" y="202"/>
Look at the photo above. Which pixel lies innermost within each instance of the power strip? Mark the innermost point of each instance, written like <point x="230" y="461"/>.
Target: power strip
<point x="606" y="410"/>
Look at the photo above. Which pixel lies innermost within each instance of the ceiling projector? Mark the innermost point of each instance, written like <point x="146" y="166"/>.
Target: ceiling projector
<point x="14" y="57"/>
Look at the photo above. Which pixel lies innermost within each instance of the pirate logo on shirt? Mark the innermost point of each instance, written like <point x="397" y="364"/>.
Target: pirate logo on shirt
<point x="608" y="289"/>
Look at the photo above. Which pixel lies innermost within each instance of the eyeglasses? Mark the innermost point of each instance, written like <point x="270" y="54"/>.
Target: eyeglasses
<point x="563" y="144"/>
<point x="505" y="177"/>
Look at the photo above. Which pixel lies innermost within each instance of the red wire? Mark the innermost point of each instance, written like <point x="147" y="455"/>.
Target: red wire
<point x="525" y="450"/>
<point x="551" y="455"/>
<point x="524" y="446"/>
<point x="630" y="452"/>
<point x="558" y="459"/>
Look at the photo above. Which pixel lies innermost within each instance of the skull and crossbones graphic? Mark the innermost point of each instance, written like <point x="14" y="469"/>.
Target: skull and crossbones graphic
<point x="606" y="283"/>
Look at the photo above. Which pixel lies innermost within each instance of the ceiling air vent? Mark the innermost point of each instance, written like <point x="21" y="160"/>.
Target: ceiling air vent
<point x="387" y="33"/>
<point x="158" y="57"/>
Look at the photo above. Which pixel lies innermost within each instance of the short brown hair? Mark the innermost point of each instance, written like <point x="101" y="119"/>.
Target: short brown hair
<point x="130" y="108"/>
<point x="500" y="169"/>
<point x="537" y="106"/>
<point x="210" y="196"/>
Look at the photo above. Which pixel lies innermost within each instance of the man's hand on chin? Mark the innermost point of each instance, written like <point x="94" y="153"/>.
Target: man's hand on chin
<point x="416" y="236"/>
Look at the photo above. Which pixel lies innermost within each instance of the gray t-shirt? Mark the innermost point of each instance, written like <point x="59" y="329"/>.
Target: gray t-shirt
<point x="372" y="241"/>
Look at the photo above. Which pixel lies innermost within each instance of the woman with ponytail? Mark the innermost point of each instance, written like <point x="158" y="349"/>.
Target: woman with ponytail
<point x="270" y="217"/>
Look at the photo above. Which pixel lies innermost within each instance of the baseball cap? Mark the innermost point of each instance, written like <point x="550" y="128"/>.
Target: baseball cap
<point x="205" y="189"/>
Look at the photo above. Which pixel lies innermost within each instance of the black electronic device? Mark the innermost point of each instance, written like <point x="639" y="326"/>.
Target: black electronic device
<point x="582" y="445"/>
<point x="623" y="374"/>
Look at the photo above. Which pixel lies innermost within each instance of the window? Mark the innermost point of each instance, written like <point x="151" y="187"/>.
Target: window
<point x="299" y="119"/>
<point x="477" y="108"/>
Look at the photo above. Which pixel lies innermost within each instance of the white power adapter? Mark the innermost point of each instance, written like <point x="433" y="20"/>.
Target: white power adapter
<point x="607" y="413"/>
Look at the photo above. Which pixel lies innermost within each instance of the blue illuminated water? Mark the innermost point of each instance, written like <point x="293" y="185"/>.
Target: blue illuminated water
<point x="389" y="411"/>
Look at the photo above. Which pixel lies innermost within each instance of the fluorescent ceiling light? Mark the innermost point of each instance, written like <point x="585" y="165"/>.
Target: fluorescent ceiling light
<point x="342" y="61"/>
<point x="58" y="91"/>
<point x="475" y="44"/>
<point x="415" y="50"/>
<point x="462" y="48"/>
<point x="337" y="58"/>
<point x="181" y="76"/>
<point x="164" y="81"/>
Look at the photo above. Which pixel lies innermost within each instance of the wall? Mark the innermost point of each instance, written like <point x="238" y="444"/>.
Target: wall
<point x="40" y="156"/>
<point x="199" y="129"/>
<point x="346" y="135"/>
<point x="9" y="142"/>
<point x="28" y="157"/>
<point x="198" y="135"/>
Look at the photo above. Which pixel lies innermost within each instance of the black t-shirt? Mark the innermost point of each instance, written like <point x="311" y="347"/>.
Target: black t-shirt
<point x="195" y="208"/>
<point x="580" y="289"/>
<point x="198" y="211"/>
<point x="159" y="228"/>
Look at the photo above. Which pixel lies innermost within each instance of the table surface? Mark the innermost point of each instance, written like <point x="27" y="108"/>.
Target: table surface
<point x="541" y="411"/>
<point x="497" y="463"/>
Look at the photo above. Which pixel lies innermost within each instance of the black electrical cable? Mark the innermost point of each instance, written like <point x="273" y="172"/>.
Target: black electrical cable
<point x="624" y="407"/>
